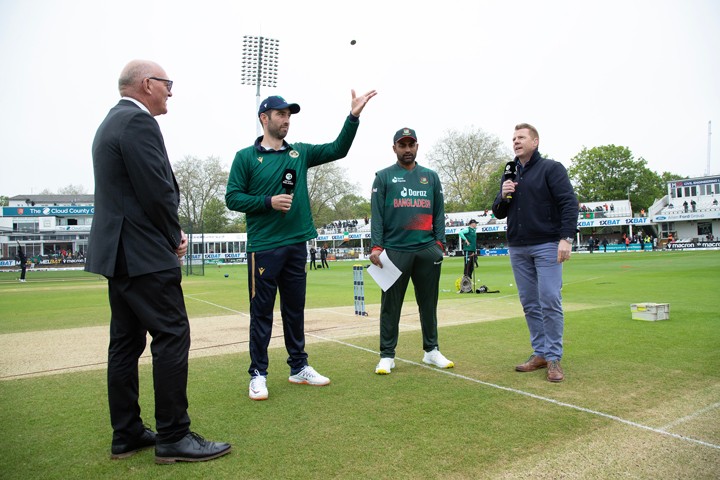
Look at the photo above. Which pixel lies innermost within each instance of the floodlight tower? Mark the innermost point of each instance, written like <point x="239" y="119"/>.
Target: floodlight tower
<point x="259" y="65"/>
<point x="707" y="170"/>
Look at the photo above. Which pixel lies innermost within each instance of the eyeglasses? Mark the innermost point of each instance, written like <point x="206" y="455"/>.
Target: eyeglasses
<point x="168" y="83"/>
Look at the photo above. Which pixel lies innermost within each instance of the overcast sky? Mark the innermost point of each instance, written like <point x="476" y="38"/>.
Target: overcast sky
<point x="641" y="74"/>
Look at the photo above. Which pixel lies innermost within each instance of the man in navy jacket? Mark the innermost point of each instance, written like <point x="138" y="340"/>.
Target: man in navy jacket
<point x="541" y="210"/>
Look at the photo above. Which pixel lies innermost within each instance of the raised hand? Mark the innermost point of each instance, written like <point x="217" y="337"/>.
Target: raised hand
<point x="358" y="103"/>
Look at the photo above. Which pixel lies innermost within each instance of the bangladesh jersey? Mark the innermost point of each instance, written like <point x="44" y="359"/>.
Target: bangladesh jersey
<point x="408" y="208"/>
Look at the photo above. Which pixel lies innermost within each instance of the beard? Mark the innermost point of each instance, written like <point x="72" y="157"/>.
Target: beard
<point x="406" y="158"/>
<point x="278" y="131"/>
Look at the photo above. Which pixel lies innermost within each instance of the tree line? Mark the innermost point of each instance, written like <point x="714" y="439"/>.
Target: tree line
<point x="469" y="163"/>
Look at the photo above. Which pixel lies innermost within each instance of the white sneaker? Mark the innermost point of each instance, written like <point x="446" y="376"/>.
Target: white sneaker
<point x="308" y="376"/>
<point x="385" y="366"/>
<point x="434" y="357"/>
<point x="258" y="388"/>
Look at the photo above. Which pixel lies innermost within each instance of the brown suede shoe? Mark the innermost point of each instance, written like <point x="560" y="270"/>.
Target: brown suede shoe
<point x="555" y="371"/>
<point x="533" y="363"/>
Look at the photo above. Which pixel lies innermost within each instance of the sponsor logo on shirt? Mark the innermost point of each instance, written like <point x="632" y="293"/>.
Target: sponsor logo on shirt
<point x="294" y="154"/>
<point x="409" y="192"/>
<point x="398" y="180"/>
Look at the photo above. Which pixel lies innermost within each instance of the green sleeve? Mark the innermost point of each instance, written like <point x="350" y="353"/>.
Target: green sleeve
<point x="439" y="211"/>
<point x="236" y="196"/>
<point x="377" y="207"/>
<point x="329" y="152"/>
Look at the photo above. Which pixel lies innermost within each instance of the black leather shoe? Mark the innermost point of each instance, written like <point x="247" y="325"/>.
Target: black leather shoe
<point x="191" y="448"/>
<point x="127" y="449"/>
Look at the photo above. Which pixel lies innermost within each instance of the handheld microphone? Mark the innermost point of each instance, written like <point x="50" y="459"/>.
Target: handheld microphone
<point x="510" y="174"/>
<point x="288" y="180"/>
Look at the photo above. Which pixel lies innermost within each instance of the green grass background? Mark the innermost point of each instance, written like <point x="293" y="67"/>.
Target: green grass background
<point x="417" y="422"/>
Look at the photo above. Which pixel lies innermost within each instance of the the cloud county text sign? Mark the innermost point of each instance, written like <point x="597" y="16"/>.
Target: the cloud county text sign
<point x="47" y="211"/>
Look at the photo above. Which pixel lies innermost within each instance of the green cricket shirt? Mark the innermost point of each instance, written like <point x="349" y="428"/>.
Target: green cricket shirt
<point x="408" y="208"/>
<point x="469" y="234"/>
<point x="256" y="175"/>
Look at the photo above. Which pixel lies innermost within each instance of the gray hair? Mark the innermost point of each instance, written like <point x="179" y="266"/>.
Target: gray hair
<point x="133" y="73"/>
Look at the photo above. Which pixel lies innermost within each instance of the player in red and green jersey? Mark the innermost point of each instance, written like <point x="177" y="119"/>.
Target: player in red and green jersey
<point x="408" y="223"/>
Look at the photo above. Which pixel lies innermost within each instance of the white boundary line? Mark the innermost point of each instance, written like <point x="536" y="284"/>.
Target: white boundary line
<point x="218" y="306"/>
<point x="689" y="417"/>
<point x="537" y="397"/>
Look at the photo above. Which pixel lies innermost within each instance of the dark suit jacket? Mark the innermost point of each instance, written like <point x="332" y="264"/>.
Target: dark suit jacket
<point x="136" y="195"/>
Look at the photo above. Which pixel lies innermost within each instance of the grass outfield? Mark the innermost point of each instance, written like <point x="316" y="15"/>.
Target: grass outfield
<point x="640" y="400"/>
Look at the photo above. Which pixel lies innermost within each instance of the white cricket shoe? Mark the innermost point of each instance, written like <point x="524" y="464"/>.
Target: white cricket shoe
<point x="308" y="376"/>
<point x="258" y="388"/>
<point x="385" y="366"/>
<point x="434" y="357"/>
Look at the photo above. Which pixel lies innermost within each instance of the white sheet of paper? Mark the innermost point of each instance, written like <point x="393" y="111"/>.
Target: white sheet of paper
<point x="387" y="275"/>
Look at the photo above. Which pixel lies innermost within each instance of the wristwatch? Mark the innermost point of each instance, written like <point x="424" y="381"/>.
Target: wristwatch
<point x="569" y="239"/>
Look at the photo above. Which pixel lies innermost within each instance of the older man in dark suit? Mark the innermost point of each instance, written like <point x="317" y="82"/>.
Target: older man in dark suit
<point x="136" y="243"/>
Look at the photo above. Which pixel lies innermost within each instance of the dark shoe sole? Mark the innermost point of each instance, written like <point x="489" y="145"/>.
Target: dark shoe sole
<point x="169" y="460"/>
<point x="120" y="456"/>
<point x="520" y="368"/>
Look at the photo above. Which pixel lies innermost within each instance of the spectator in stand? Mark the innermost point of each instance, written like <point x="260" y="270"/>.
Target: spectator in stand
<point x="693" y="205"/>
<point x="612" y="207"/>
<point x="685" y="206"/>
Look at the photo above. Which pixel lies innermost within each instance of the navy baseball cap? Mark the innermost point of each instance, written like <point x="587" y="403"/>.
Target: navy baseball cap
<point x="404" y="133"/>
<point x="276" y="102"/>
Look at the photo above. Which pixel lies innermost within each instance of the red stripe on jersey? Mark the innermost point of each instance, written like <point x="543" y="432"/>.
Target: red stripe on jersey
<point x="423" y="221"/>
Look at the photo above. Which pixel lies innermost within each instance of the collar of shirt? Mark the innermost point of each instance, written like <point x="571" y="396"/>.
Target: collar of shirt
<point x="136" y="102"/>
<point x="260" y="148"/>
